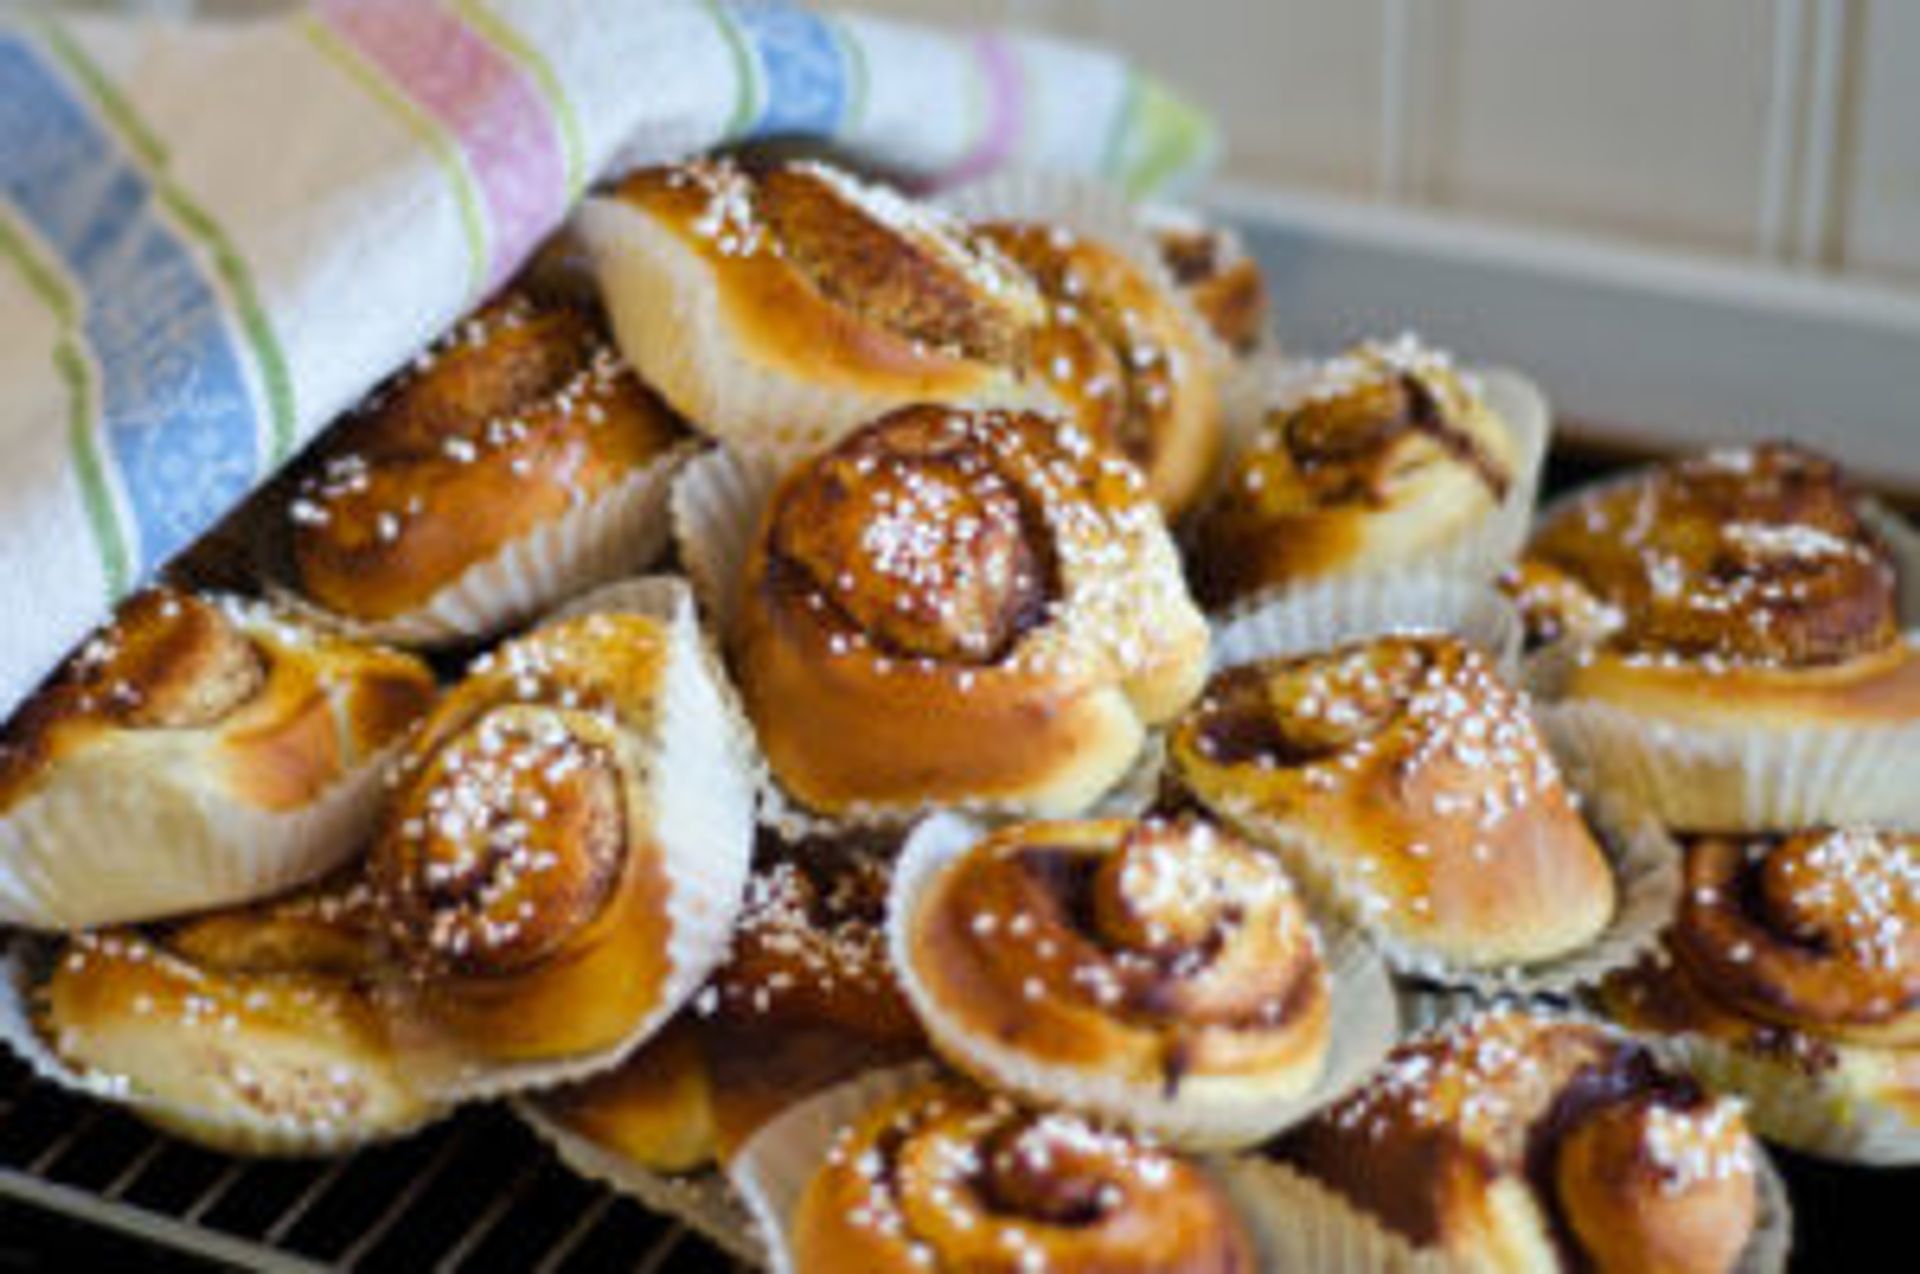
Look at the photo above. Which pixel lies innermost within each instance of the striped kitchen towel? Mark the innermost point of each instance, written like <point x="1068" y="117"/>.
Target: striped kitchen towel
<point x="215" y="237"/>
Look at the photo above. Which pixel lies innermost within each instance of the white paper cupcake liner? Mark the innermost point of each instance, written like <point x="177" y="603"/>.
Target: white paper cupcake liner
<point x="773" y="1168"/>
<point x="150" y="836"/>
<point x="1324" y="616"/>
<point x="621" y="531"/>
<point x="718" y="504"/>
<point x="23" y="962"/>
<point x="671" y="320"/>
<point x="1810" y="1113"/>
<point x="1299" y="1224"/>
<point x="1647" y="881"/>
<point x="1364" y="1025"/>
<point x="1748" y="779"/>
<point x="701" y="783"/>
<point x="703" y="1200"/>
<point x="1478" y="553"/>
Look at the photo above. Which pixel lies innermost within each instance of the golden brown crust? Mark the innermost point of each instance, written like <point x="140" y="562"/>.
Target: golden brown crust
<point x="1406" y="776"/>
<point x="961" y="606"/>
<point x="1876" y="688"/>
<point x="523" y="411"/>
<point x="261" y="710"/>
<point x="834" y="282"/>
<point x="655" y="1109"/>
<point x="1387" y="454"/>
<point x="1506" y="1138"/>
<point x="1165" y="953"/>
<point x="1614" y="1182"/>
<point x="517" y="858"/>
<point x="257" y="1027"/>
<point x="1818" y="931"/>
<point x="805" y="1000"/>
<point x="1756" y="556"/>
<point x="1123" y="355"/>
<point x="948" y="1177"/>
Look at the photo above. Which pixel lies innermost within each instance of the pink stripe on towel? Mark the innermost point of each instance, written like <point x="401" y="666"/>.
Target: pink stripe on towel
<point x="1004" y="110"/>
<point x="502" y="125"/>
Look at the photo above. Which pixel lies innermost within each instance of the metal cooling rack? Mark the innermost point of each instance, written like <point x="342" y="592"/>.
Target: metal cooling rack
<point x="478" y="1192"/>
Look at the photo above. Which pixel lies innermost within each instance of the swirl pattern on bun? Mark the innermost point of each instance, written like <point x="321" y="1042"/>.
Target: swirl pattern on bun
<point x="956" y="606"/>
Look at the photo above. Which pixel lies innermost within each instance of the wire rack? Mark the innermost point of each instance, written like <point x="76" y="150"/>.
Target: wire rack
<point x="478" y="1192"/>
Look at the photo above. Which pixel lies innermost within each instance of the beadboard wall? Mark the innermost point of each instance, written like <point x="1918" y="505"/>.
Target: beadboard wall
<point x="1784" y="132"/>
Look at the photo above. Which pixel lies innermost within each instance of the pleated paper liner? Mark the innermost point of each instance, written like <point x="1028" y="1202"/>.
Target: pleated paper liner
<point x="84" y="854"/>
<point x="1745" y="778"/>
<point x="622" y="530"/>
<point x="1748" y="779"/>
<point x="718" y="505"/>
<point x="24" y="965"/>
<point x="703" y="1200"/>
<point x="700" y="781"/>
<point x="1478" y="553"/>
<point x="1323" y="617"/>
<point x="1299" y="1224"/>
<point x="1364" y="1025"/>
<point x="672" y="321"/>
<point x="772" y="1169"/>
<point x="153" y="838"/>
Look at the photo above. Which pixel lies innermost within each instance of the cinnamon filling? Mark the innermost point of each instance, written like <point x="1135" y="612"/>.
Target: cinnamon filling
<point x="1343" y="445"/>
<point x="1758" y="555"/>
<point x="1023" y="1176"/>
<point x="1817" y="927"/>
<point x="512" y="845"/>
<point x="1149" y="977"/>
<point x="892" y="263"/>
<point x="917" y="543"/>
<point x="1294" y="713"/>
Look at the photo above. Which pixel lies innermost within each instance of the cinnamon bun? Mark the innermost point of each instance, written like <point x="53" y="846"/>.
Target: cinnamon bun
<point x="1371" y="462"/>
<point x="946" y="1177"/>
<point x="1796" y="961"/>
<point x="243" y="743"/>
<point x="1161" y="974"/>
<point x="970" y="607"/>
<point x="1127" y="360"/>
<point x="780" y="308"/>
<point x="1756" y="674"/>
<point x="1514" y="1142"/>
<point x="1404" y="780"/>
<point x="524" y="411"/>
<point x="259" y="1030"/>
<point x="565" y="850"/>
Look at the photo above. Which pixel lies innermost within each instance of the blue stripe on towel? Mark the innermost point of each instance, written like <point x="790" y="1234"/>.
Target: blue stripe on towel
<point x="178" y="424"/>
<point x="803" y="68"/>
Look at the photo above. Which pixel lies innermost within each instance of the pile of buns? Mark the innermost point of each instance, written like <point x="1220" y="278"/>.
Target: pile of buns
<point x="1065" y="796"/>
